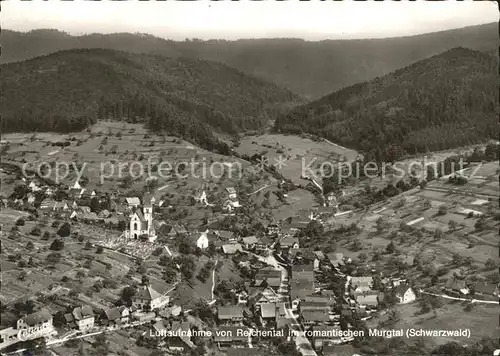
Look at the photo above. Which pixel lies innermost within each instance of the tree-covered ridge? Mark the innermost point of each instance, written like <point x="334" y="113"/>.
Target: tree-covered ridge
<point x="442" y="102"/>
<point x="309" y="68"/>
<point x="66" y="91"/>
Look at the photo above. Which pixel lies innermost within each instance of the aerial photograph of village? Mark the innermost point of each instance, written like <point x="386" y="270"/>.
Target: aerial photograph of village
<point x="249" y="179"/>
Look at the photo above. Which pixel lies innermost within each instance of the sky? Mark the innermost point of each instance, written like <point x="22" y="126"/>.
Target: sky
<point x="205" y="19"/>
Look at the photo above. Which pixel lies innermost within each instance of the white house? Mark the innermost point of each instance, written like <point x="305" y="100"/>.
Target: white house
<point x="231" y="193"/>
<point x="230" y="205"/>
<point x="31" y="198"/>
<point x="36" y="325"/>
<point x="61" y="205"/>
<point x="202" y="241"/>
<point x="405" y="294"/>
<point x="8" y="337"/>
<point x="34" y="187"/>
<point x="133" y="202"/>
<point x="82" y="318"/>
<point x="331" y="200"/>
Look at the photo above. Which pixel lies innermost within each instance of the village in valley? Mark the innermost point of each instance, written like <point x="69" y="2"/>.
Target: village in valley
<point x="262" y="263"/>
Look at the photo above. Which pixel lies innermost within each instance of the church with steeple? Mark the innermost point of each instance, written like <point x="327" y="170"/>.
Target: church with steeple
<point x="141" y="222"/>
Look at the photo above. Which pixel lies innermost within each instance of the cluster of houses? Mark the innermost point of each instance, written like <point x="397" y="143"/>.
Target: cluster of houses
<point x="457" y="287"/>
<point x="145" y="302"/>
<point x="282" y="234"/>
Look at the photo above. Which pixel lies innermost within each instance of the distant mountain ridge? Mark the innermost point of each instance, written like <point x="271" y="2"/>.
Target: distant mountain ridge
<point x="445" y="101"/>
<point x="68" y="90"/>
<point x="311" y="69"/>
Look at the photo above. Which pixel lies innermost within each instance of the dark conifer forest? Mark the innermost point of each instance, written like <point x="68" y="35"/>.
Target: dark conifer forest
<point x="194" y="99"/>
<point x="445" y="101"/>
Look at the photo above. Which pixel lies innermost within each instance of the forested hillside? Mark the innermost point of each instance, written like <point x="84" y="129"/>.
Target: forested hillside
<point x="311" y="69"/>
<point x="66" y="91"/>
<point x="445" y="101"/>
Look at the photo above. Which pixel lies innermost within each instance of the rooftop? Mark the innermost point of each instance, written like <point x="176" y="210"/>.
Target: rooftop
<point x="147" y="293"/>
<point x="36" y="318"/>
<point x="133" y="201"/>
<point x="229" y="312"/>
<point x="231" y="248"/>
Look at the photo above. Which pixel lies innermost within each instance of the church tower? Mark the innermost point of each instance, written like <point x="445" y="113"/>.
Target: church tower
<point x="148" y="212"/>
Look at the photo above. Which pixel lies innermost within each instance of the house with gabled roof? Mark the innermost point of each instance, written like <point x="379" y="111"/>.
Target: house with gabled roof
<point x="250" y="241"/>
<point x="404" y="293"/>
<point x="325" y="212"/>
<point x="225" y="235"/>
<point x="261" y="295"/>
<point x="34" y="186"/>
<point x="133" y="202"/>
<point x="301" y="285"/>
<point x="60" y="206"/>
<point x="231" y="193"/>
<point x="265" y="243"/>
<point x="230" y="205"/>
<point x="38" y="324"/>
<point x="314" y="317"/>
<point x="367" y="301"/>
<point x="271" y="313"/>
<point x="116" y="316"/>
<point x="361" y="284"/>
<point x="31" y="198"/>
<point x="200" y="239"/>
<point x="232" y="248"/>
<point x="289" y="242"/>
<point x="230" y="314"/>
<point x="317" y="302"/>
<point x="273" y="228"/>
<point x="77" y="193"/>
<point x="269" y="277"/>
<point x="175" y="230"/>
<point x="182" y="339"/>
<point x="47" y="204"/>
<point x="486" y="290"/>
<point x="301" y="256"/>
<point x="456" y="286"/>
<point x="336" y="258"/>
<point x="81" y="318"/>
<point x="104" y="214"/>
<point x="148" y="299"/>
<point x="85" y="209"/>
<point x="89" y="217"/>
<point x="8" y="336"/>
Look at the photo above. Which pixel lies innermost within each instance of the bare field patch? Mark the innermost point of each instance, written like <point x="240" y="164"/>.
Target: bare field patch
<point x="299" y="152"/>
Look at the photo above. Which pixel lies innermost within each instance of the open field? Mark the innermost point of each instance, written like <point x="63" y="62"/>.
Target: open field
<point x="107" y="152"/>
<point x="411" y="221"/>
<point x="299" y="152"/>
<point x="482" y="321"/>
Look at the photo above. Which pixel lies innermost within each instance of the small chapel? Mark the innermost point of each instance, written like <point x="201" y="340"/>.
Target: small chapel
<point x="141" y="222"/>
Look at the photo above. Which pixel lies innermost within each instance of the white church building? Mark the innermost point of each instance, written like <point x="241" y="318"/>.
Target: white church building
<point x="141" y="222"/>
